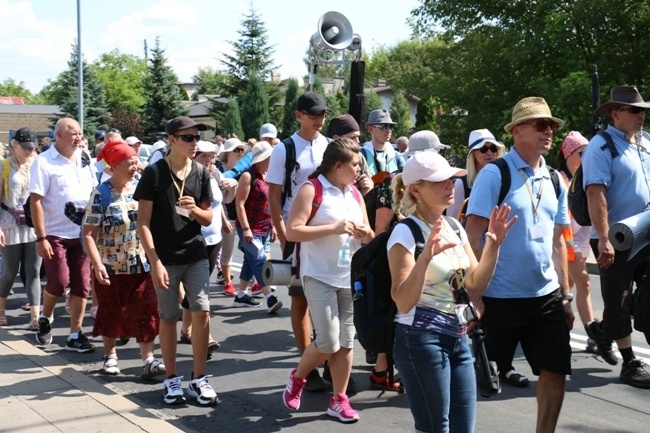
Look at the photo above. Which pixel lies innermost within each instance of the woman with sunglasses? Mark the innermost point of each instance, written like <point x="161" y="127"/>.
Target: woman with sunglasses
<point x="568" y="160"/>
<point x="233" y="150"/>
<point x="16" y="238"/>
<point x="432" y="351"/>
<point x="483" y="148"/>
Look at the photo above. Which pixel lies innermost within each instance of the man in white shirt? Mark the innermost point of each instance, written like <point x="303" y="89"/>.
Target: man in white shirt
<point x="310" y="145"/>
<point x="58" y="176"/>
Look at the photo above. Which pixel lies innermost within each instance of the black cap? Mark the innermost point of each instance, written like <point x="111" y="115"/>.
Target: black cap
<point x="100" y="134"/>
<point x="182" y="122"/>
<point x="312" y="103"/>
<point x="26" y="138"/>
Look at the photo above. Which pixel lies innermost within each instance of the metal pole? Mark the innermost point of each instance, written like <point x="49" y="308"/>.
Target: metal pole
<point x="80" y="69"/>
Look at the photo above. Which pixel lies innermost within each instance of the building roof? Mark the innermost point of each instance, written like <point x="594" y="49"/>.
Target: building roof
<point x="12" y="100"/>
<point x="201" y="109"/>
<point x="30" y="109"/>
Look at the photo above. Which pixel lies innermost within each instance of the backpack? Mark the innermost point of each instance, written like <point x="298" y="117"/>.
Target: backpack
<point x="506" y="182"/>
<point x="75" y="210"/>
<point x="85" y="162"/>
<point x="577" y="196"/>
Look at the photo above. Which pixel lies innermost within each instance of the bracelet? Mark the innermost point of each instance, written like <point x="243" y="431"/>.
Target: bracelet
<point x="41" y="239"/>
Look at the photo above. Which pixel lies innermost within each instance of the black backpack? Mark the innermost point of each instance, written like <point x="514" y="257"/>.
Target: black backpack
<point x="577" y="196"/>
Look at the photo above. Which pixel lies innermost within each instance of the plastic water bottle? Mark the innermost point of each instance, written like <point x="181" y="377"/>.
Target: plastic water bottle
<point x="345" y="254"/>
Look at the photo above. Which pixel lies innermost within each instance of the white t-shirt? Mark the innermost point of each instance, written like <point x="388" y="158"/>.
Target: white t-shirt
<point x="319" y="258"/>
<point x="212" y="233"/>
<point x="309" y="155"/>
<point x="58" y="181"/>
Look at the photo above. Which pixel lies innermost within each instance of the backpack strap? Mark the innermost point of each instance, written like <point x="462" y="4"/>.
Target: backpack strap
<point x="609" y="143"/>
<point x="6" y="168"/>
<point x="502" y="164"/>
<point x="370" y="160"/>
<point x="455" y="225"/>
<point x="290" y="164"/>
<point x="416" y="231"/>
<point x="104" y="189"/>
<point x="318" y="197"/>
<point x="156" y="176"/>
<point x="466" y="187"/>
<point x="555" y="179"/>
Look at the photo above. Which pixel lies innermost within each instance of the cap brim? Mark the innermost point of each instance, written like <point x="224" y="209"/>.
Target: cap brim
<point x="29" y="144"/>
<point x="317" y="109"/>
<point x="268" y="135"/>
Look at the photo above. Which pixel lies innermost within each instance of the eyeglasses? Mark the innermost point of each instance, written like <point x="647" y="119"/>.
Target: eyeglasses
<point x="633" y="110"/>
<point x="239" y="150"/>
<point x="542" y="125"/>
<point x="385" y="127"/>
<point x="28" y="149"/>
<point x="320" y="115"/>
<point x="188" y="138"/>
<point x="493" y="149"/>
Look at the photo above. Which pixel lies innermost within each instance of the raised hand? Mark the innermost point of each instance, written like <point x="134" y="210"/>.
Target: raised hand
<point x="499" y="224"/>
<point x="436" y="243"/>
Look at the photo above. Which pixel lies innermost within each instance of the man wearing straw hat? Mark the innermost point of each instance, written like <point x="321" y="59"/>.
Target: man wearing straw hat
<point x="618" y="188"/>
<point x="528" y="300"/>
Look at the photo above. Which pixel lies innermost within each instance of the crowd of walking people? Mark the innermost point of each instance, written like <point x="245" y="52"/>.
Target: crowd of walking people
<point x="142" y="238"/>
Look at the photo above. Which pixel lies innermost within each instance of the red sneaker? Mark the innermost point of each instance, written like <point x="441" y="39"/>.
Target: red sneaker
<point x="340" y="408"/>
<point x="293" y="391"/>
<point x="229" y="289"/>
<point x="256" y="289"/>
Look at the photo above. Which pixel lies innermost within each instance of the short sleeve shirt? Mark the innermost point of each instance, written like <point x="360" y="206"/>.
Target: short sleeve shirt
<point x="117" y="240"/>
<point x="177" y="239"/>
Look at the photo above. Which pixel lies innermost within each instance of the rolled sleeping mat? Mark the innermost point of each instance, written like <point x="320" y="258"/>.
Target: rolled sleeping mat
<point x="277" y="272"/>
<point x="632" y="233"/>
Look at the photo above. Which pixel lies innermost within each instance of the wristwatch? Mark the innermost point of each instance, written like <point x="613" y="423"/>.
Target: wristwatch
<point x="567" y="297"/>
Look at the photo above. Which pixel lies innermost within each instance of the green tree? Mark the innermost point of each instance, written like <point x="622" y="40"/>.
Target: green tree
<point x="211" y="82"/>
<point x="122" y="76"/>
<point x="400" y="113"/>
<point x="9" y="87"/>
<point x="289" y="121"/>
<point x="372" y="102"/>
<point x="251" y="52"/>
<point x="255" y="107"/>
<point x="65" y="95"/>
<point x="232" y="120"/>
<point x="163" y="98"/>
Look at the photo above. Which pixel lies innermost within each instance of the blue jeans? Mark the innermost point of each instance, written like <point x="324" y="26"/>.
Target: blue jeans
<point x="252" y="265"/>
<point x="438" y="374"/>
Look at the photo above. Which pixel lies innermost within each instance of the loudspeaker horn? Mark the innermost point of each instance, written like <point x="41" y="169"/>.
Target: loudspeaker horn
<point x="334" y="33"/>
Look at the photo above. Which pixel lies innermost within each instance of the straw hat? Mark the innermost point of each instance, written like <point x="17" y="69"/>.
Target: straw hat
<point x="621" y="95"/>
<point x="531" y="108"/>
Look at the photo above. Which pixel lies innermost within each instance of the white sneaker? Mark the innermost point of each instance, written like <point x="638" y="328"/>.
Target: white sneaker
<point x="154" y="368"/>
<point x="201" y="390"/>
<point x="110" y="365"/>
<point x="173" y="391"/>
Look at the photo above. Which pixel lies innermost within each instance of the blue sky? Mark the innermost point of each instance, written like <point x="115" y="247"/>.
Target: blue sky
<point x="36" y="36"/>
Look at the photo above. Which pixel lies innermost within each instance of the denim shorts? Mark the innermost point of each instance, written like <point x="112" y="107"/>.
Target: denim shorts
<point x="438" y="375"/>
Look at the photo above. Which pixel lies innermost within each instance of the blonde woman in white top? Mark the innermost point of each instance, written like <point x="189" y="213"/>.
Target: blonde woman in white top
<point x="16" y="238"/>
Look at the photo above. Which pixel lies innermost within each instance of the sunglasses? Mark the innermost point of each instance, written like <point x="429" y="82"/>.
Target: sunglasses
<point x="385" y="127"/>
<point x="320" y="115"/>
<point x="493" y="149"/>
<point x="542" y="125"/>
<point x="115" y="130"/>
<point x="633" y="110"/>
<point x="239" y="150"/>
<point x="188" y="138"/>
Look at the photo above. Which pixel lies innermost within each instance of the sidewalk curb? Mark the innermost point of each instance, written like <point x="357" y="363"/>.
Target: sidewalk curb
<point x="146" y="419"/>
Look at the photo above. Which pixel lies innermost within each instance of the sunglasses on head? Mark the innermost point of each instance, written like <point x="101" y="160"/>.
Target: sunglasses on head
<point x="542" y="125"/>
<point x="633" y="110"/>
<point x="385" y="127"/>
<point x="188" y="138"/>
<point x="493" y="148"/>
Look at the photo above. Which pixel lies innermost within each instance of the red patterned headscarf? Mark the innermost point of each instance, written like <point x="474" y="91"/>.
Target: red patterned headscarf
<point x="115" y="152"/>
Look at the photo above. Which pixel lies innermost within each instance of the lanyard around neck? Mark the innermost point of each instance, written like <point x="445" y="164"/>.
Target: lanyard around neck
<point x="182" y="187"/>
<point x="530" y="192"/>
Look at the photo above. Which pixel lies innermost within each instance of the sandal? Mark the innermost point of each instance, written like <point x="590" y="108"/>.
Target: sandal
<point x="3" y="318"/>
<point x="33" y="325"/>
<point x="26" y="307"/>
<point x="213" y="346"/>
<point x="186" y="338"/>
<point x="514" y="378"/>
<point x="381" y="380"/>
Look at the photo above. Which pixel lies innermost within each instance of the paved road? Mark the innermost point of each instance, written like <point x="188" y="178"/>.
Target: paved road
<point x="257" y="350"/>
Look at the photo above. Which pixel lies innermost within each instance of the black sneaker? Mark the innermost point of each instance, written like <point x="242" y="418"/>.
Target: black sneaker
<point x="273" y="304"/>
<point x="371" y="357"/>
<point x="79" y="344"/>
<point x="595" y="332"/>
<point x="314" y="382"/>
<point x="635" y="373"/>
<point x="245" y="301"/>
<point x="44" y="333"/>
